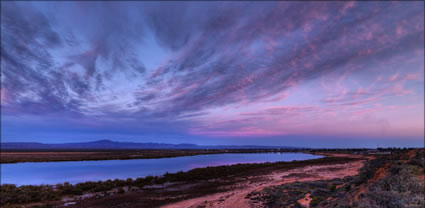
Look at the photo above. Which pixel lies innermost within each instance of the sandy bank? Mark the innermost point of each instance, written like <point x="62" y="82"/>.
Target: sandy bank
<point x="236" y="195"/>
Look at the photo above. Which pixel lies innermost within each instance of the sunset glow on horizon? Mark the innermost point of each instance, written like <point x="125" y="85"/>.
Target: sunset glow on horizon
<point x="310" y="74"/>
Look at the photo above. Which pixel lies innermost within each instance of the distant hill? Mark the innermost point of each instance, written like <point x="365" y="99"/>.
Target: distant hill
<point x="108" y="144"/>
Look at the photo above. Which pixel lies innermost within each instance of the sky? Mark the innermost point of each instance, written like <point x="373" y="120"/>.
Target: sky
<point x="307" y="74"/>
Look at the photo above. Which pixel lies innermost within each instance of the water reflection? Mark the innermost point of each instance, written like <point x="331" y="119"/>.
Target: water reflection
<point x="37" y="173"/>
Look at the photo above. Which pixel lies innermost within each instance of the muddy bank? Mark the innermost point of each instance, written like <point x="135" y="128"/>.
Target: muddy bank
<point x="237" y="196"/>
<point x="220" y="185"/>
<point x="227" y="187"/>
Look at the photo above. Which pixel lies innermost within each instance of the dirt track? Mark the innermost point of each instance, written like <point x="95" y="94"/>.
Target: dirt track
<point x="235" y="197"/>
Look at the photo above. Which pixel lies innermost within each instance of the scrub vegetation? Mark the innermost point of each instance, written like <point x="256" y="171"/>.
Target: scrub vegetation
<point x="390" y="178"/>
<point x="210" y="177"/>
<point x="394" y="180"/>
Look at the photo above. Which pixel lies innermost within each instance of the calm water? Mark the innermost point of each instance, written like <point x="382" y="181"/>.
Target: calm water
<point x="36" y="173"/>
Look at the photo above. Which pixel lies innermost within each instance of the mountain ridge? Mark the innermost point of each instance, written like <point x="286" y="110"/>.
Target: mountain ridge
<point x="109" y="144"/>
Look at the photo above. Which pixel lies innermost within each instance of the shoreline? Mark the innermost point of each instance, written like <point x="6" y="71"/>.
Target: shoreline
<point x="171" y="188"/>
<point x="12" y="157"/>
<point x="237" y="196"/>
<point x="96" y="171"/>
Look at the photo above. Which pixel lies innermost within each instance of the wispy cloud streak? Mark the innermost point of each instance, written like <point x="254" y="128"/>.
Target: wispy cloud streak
<point x="186" y="63"/>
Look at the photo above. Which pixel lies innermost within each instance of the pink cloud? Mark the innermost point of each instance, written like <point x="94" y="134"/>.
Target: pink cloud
<point x="241" y="132"/>
<point x="347" y="6"/>
<point x="394" y="77"/>
<point x="4" y="96"/>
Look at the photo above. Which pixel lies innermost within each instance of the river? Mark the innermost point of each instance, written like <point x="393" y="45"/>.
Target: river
<point x="36" y="173"/>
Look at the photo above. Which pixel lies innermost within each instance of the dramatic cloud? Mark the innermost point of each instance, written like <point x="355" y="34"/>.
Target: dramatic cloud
<point x="214" y="69"/>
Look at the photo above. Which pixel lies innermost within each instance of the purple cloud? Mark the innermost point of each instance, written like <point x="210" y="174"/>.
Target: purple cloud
<point x="182" y="63"/>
